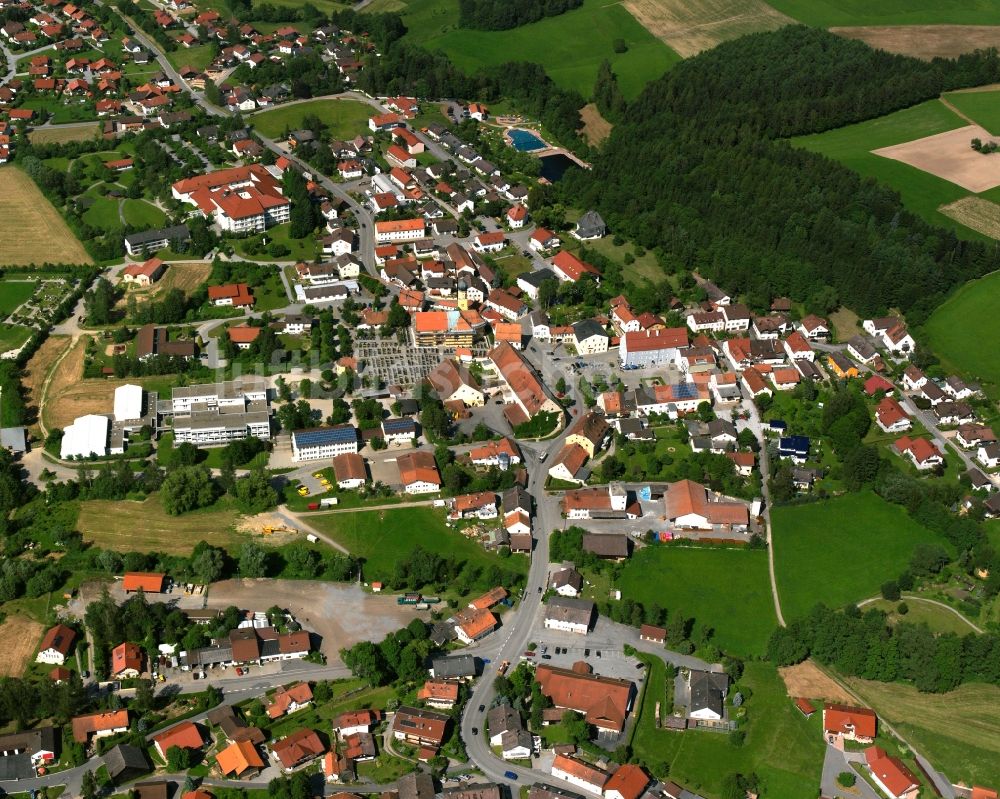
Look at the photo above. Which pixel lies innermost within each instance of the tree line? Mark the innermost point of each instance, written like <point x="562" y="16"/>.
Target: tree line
<point x="866" y="645"/>
<point x="501" y="15"/>
<point x="701" y="167"/>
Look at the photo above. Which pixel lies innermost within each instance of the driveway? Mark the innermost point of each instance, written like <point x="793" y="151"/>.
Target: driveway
<point x="834" y="763"/>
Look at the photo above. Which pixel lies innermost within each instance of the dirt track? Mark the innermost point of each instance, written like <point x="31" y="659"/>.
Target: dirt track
<point x="925" y="41"/>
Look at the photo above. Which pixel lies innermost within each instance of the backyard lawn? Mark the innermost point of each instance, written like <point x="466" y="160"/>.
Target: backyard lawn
<point x="781" y="746"/>
<point x="387" y="537"/>
<point x="968" y="315"/>
<point x="300" y="249"/>
<point x="840" y="550"/>
<point x="345" y="118"/>
<point x="726" y="589"/>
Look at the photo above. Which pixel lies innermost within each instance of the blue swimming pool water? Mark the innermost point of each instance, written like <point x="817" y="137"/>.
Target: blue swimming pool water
<point x="525" y="141"/>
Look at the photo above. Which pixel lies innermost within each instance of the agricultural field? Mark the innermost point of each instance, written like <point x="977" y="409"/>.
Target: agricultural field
<point x="976" y="213"/>
<point x="687" y="28"/>
<point x="570" y="46"/>
<point x="840" y="550"/>
<point x="345" y="118"/>
<point x="384" y="538"/>
<point x="19" y="636"/>
<point x="829" y="13"/>
<point x="968" y="315"/>
<point x="67" y="395"/>
<point x="982" y="107"/>
<point x="31" y="230"/>
<point x="704" y="583"/>
<point x="782" y="747"/>
<point x="13" y="293"/>
<point x="921" y="192"/>
<point x="112" y="525"/>
<point x="62" y="135"/>
<point x="959" y="732"/>
<point x="925" y="41"/>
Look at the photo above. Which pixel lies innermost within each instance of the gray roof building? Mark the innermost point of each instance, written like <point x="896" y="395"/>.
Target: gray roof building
<point x="454" y="667"/>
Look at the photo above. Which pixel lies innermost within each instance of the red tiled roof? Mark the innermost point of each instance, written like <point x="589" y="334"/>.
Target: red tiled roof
<point x="844" y="719"/>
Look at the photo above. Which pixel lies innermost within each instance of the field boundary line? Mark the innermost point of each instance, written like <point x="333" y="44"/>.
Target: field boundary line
<point x="929" y="602"/>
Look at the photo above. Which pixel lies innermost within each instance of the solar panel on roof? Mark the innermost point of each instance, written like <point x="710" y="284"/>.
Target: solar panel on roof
<point x="685" y="391"/>
<point x="324" y="435"/>
<point x="398" y="425"/>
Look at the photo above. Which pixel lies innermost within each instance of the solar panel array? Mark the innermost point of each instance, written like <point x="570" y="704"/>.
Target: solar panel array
<point x="324" y="435"/>
<point x="685" y="391"/>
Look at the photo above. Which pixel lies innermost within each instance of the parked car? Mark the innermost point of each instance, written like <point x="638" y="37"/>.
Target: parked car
<point x="510" y="775"/>
<point x="482" y="708"/>
<point x="475" y="730"/>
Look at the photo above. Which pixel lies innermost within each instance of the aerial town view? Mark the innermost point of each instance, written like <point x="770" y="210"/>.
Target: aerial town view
<point x="500" y="399"/>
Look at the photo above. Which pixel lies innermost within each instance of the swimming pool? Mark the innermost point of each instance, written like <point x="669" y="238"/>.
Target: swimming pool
<point x="525" y="140"/>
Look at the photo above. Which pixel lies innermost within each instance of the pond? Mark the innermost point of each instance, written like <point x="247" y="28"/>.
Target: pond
<point x="555" y="166"/>
<point x="525" y="140"/>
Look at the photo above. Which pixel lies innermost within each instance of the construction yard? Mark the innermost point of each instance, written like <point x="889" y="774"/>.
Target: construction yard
<point x="341" y="615"/>
<point x="29" y="225"/>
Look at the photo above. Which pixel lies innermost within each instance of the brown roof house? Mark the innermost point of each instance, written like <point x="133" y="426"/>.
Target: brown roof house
<point x="55" y="645"/>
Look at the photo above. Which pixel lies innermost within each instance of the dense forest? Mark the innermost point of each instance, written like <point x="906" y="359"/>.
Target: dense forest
<point x="500" y="15"/>
<point x="701" y="168"/>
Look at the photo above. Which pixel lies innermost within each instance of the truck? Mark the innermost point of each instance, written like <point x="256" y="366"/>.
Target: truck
<point x="328" y="502"/>
<point x="409" y="599"/>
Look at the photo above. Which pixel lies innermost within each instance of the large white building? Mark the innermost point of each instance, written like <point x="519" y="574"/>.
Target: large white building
<point x="88" y="435"/>
<point x="217" y="413"/>
<point x="649" y="347"/>
<point x="128" y="403"/>
<point x="324" y="442"/>
<point x="243" y="199"/>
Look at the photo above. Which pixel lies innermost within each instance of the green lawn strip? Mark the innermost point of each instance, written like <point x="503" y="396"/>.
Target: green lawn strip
<point x="385" y="538"/>
<point x="345" y="118"/>
<point x="300" y="249"/>
<point x="103" y="213"/>
<point x="921" y="192"/>
<point x="781" y="746"/>
<point x="968" y="315"/>
<point x="726" y="589"/>
<point x="571" y="46"/>
<point x="13" y="336"/>
<point x="937" y="618"/>
<point x="841" y="550"/>
<point x="830" y="13"/>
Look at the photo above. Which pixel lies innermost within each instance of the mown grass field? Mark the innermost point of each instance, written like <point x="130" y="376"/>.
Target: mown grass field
<point x="113" y="525"/>
<point x="31" y="230"/>
<point x="968" y="315"/>
<point x="13" y="293"/>
<point x="782" y="747"/>
<point x="921" y="192"/>
<point x="983" y="107"/>
<point x="936" y="618"/>
<point x="726" y="589"/>
<point x="570" y="46"/>
<point x="827" y="13"/>
<point x="387" y="537"/>
<point x="197" y="57"/>
<point x="346" y="118"/>
<point x="840" y="550"/>
<point x="959" y="732"/>
<point x="143" y="214"/>
<point x="13" y="336"/>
